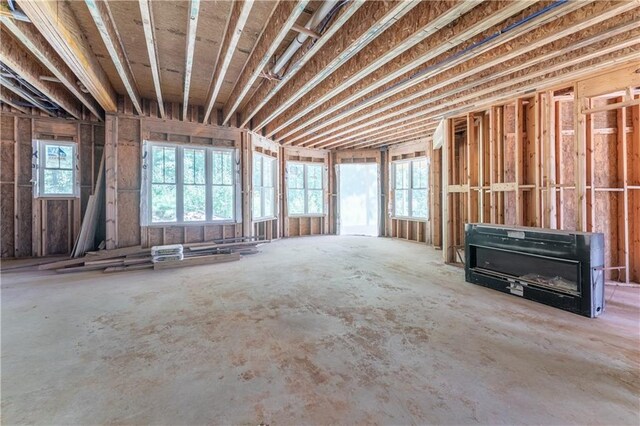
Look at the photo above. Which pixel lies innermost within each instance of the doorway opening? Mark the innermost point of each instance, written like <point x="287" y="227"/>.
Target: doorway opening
<point x="358" y="209"/>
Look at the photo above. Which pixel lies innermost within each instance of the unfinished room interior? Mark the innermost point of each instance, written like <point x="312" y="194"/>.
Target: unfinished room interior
<point x="315" y="212"/>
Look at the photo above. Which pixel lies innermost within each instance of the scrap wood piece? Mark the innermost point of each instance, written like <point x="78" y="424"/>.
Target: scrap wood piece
<point x="128" y="268"/>
<point x="197" y="260"/>
<point x="61" y="264"/>
<point x="118" y="252"/>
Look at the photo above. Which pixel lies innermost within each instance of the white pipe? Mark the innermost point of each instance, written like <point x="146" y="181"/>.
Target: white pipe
<point x="313" y="22"/>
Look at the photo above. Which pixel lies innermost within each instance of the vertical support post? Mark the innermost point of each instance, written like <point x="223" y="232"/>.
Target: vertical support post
<point x="518" y="160"/>
<point x="446" y="220"/>
<point x="580" y="157"/>
<point x="623" y="143"/>
<point x="111" y="181"/>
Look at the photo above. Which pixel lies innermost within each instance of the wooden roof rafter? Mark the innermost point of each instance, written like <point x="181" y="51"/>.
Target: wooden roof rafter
<point x="12" y="100"/>
<point x="524" y="52"/>
<point x="425" y="21"/>
<point x="152" y="49"/>
<point x="57" y="24"/>
<point x="238" y="16"/>
<point x="192" y="27"/>
<point x="16" y="57"/>
<point x="484" y="21"/>
<point x="282" y="21"/>
<point x="36" y="44"/>
<point x="368" y="22"/>
<point x="547" y="74"/>
<point x="99" y="10"/>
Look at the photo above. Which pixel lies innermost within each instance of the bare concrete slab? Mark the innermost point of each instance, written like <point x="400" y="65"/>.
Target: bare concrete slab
<point x="313" y="330"/>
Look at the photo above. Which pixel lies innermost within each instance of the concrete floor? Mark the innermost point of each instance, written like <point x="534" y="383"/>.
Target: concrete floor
<point x="313" y="330"/>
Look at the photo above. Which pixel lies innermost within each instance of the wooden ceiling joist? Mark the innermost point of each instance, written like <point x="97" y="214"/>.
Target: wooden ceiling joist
<point x="269" y="88"/>
<point x="99" y="10"/>
<point x="367" y="24"/>
<point x="57" y="24"/>
<point x="393" y="134"/>
<point x="20" y="93"/>
<point x="192" y="27"/>
<point x="237" y="19"/>
<point x="12" y="100"/>
<point x="13" y="55"/>
<point x="528" y="47"/>
<point x="282" y="21"/>
<point x="473" y="30"/>
<point x="39" y="47"/>
<point x="425" y="21"/>
<point x="150" y="39"/>
<point x="547" y="74"/>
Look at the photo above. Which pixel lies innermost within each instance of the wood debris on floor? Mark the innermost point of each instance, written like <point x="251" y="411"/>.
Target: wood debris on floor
<point x="137" y="257"/>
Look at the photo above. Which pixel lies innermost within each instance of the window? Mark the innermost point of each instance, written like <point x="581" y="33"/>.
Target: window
<point x="305" y="189"/>
<point x="55" y="169"/>
<point x="187" y="184"/>
<point x="411" y="183"/>
<point x="264" y="175"/>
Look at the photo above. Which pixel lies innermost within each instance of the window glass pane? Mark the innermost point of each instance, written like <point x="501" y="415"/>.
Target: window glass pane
<point x="419" y="174"/>
<point x="402" y="175"/>
<point x="169" y="165"/>
<point x="58" y="182"/>
<point x="267" y="173"/>
<point x="296" y="201"/>
<point x="257" y="171"/>
<point x="163" y="203"/>
<point x="227" y="168"/>
<point x="314" y="201"/>
<point x="419" y="203"/>
<point x="314" y="177"/>
<point x="256" y="203"/>
<point x="222" y="202"/>
<point x="401" y="202"/>
<point x="52" y="158"/>
<point x="193" y="166"/>
<point x="157" y="164"/>
<point x="268" y="202"/>
<point x="194" y="202"/>
<point x="295" y="176"/>
<point x="66" y="157"/>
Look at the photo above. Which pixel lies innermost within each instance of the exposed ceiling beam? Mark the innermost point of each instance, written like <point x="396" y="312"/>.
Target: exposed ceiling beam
<point x="149" y="36"/>
<point x="417" y="136"/>
<point x="425" y="20"/>
<point x="524" y="51"/>
<point x="392" y="135"/>
<point x="31" y="39"/>
<point x="280" y="23"/>
<point x="467" y="36"/>
<point x="543" y="75"/>
<point x="367" y="23"/>
<point x="269" y="88"/>
<point x="13" y="55"/>
<point x="240" y="10"/>
<point x="192" y="27"/>
<point x="57" y="23"/>
<point x="21" y="93"/>
<point x="99" y="10"/>
<point x="12" y="100"/>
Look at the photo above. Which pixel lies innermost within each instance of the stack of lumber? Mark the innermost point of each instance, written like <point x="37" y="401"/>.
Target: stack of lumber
<point x="136" y="257"/>
<point x="85" y="240"/>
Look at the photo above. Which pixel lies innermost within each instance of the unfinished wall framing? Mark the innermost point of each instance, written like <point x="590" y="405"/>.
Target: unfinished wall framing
<point x="565" y="158"/>
<point x="304" y="225"/>
<point x="43" y="226"/>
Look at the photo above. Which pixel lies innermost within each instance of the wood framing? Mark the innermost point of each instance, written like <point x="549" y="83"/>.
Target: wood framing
<point x="281" y="22"/>
<point x="18" y="59"/>
<point x="154" y="60"/>
<point x="42" y="50"/>
<point x="237" y="18"/>
<point x="57" y="24"/>
<point x="99" y="10"/>
<point x="192" y="27"/>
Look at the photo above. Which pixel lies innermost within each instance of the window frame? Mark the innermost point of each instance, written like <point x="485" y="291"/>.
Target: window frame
<point x="39" y="167"/>
<point x="146" y="208"/>
<point x="409" y="189"/>
<point x="261" y="188"/>
<point x="307" y="189"/>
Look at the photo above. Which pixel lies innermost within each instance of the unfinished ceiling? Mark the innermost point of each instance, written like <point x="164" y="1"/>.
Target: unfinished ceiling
<point x="366" y="73"/>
